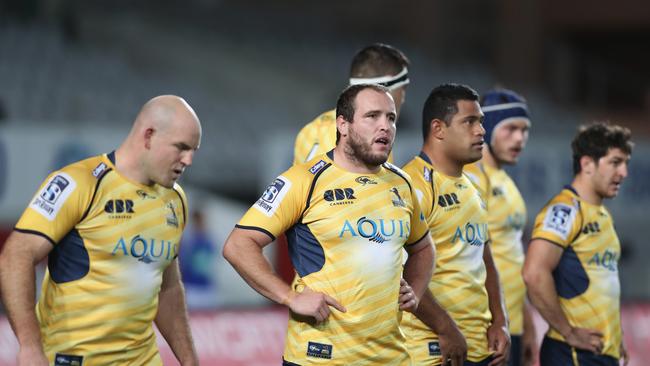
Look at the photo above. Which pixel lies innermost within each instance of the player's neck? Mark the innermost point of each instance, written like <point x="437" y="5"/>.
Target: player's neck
<point x="442" y="162"/>
<point x="585" y="190"/>
<point x="351" y="164"/>
<point x="489" y="159"/>
<point x="128" y="167"/>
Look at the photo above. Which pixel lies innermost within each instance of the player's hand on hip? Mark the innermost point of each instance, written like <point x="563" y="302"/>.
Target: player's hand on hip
<point x="499" y="343"/>
<point x="32" y="356"/>
<point x="313" y="304"/>
<point x="408" y="301"/>
<point x="586" y="339"/>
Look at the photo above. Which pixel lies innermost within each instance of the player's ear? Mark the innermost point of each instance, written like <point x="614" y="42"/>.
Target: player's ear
<point x="587" y="165"/>
<point x="438" y="128"/>
<point x="342" y="125"/>
<point x="148" y="135"/>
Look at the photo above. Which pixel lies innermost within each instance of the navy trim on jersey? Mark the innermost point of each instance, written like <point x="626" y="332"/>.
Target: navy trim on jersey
<point x="287" y="363"/>
<point x="311" y="188"/>
<point x="34" y="232"/>
<point x="92" y="199"/>
<point x="256" y="229"/>
<point x="569" y="276"/>
<point x="69" y="261"/>
<point x="183" y="204"/>
<point x="306" y="252"/>
<point x="330" y="154"/>
<point x="111" y="156"/>
<point x="390" y="168"/>
<point x="425" y="157"/>
<point x="415" y="242"/>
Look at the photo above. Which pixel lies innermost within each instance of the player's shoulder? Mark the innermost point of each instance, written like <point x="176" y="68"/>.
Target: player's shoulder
<point x="86" y="171"/>
<point x="323" y="119"/>
<point x="399" y="172"/>
<point x="309" y="169"/>
<point x="566" y="196"/>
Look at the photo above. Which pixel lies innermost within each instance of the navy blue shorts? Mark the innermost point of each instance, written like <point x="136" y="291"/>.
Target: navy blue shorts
<point x="516" y="351"/>
<point x="556" y="353"/>
<point x="485" y="362"/>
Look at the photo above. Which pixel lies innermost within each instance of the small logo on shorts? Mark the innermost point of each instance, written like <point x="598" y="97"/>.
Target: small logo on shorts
<point x="434" y="349"/>
<point x="68" y="360"/>
<point x="319" y="350"/>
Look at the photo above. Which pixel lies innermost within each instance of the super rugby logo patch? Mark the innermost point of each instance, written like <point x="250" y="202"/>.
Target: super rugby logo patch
<point x="49" y="200"/>
<point x="559" y="219"/>
<point x="273" y="195"/>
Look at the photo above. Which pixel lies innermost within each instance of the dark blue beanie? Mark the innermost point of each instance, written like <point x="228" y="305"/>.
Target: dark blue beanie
<point x="501" y="105"/>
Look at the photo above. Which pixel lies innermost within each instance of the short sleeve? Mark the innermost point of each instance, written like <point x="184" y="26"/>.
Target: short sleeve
<point x="558" y="223"/>
<point x="281" y="204"/>
<point x="57" y="207"/>
<point x="419" y="226"/>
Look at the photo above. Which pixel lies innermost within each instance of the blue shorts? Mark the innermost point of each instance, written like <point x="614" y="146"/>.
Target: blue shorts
<point x="485" y="362"/>
<point x="556" y="353"/>
<point x="516" y="351"/>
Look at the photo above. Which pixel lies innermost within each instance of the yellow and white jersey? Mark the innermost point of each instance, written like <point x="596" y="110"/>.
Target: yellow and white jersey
<point x="346" y="233"/>
<point x="457" y="217"/>
<point x="317" y="138"/>
<point x="112" y="238"/>
<point x="506" y="221"/>
<point x="586" y="278"/>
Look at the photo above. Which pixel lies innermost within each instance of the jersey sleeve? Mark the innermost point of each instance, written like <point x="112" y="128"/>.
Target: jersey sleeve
<point x="58" y="205"/>
<point x="477" y="175"/>
<point x="422" y="177"/>
<point x="419" y="226"/>
<point x="558" y="222"/>
<point x="281" y="204"/>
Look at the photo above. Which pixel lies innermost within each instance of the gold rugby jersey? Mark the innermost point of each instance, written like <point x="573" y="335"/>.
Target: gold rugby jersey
<point x="317" y="137"/>
<point x="112" y="238"/>
<point x="346" y="232"/>
<point x="457" y="217"/>
<point x="586" y="278"/>
<point x="506" y="221"/>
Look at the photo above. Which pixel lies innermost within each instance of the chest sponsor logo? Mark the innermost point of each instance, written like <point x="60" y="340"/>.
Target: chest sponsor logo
<point x="52" y="196"/>
<point x="472" y="233"/>
<point x="376" y="230"/>
<point x="558" y="220"/>
<point x="319" y="350"/>
<point x="339" y="196"/>
<point x="397" y="199"/>
<point x="607" y="259"/>
<point x="273" y="196"/>
<point x="363" y="180"/>
<point x="119" y="208"/>
<point x="146" y="250"/>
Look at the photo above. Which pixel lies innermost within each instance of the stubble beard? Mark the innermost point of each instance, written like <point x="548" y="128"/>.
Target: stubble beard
<point x="357" y="150"/>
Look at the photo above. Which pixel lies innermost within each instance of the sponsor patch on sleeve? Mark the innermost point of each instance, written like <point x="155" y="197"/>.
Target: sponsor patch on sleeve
<point x="317" y="167"/>
<point x="49" y="200"/>
<point x="273" y="195"/>
<point x="559" y="219"/>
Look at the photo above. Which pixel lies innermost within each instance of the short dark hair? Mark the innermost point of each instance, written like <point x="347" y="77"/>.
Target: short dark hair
<point x="442" y="104"/>
<point x="345" y="105"/>
<point x="376" y="60"/>
<point x="595" y="140"/>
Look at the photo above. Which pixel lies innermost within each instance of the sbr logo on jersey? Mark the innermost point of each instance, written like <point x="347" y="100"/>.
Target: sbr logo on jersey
<point x="591" y="228"/>
<point x="376" y="230"/>
<point x="145" y="250"/>
<point x="339" y="196"/>
<point x="273" y="196"/>
<point x="472" y="233"/>
<point x="448" y="200"/>
<point x="119" y="208"/>
<point x="319" y="350"/>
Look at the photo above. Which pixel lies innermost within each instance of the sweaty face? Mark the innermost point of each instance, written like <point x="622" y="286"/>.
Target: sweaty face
<point x="371" y="134"/>
<point x="463" y="140"/>
<point x="610" y="172"/>
<point x="172" y="150"/>
<point x="509" y="139"/>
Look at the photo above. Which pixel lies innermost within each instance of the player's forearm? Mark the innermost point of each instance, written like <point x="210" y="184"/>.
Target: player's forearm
<point x="173" y="323"/>
<point x="418" y="269"/>
<point x="529" y="325"/>
<point x="249" y="261"/>
<point x="495" y="294"/>
<point x="17" y="286"/>
<point x="543" y="295"/>
<point x="433" y="315"/>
